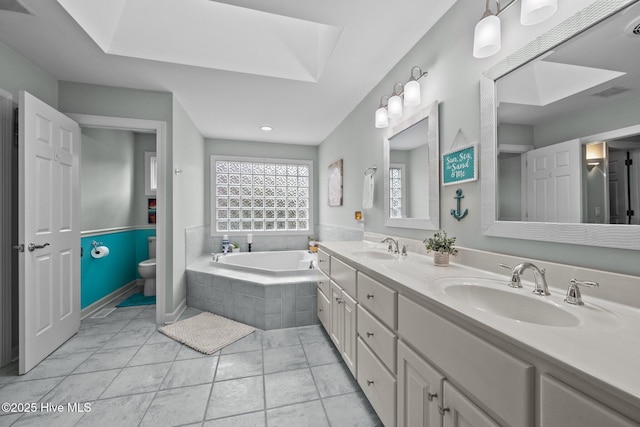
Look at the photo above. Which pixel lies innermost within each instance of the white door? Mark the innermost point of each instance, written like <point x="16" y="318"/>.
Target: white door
<point x="459" y="411"/>
<point x="49" y="221"/>
<point x="554" y="191"/>
<point x="617" y="187"/>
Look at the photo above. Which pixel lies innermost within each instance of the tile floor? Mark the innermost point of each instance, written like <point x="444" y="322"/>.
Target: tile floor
<point x="132" y="375"/>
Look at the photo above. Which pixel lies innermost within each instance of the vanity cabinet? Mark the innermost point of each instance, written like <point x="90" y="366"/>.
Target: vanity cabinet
<point x="459" y="411"/>
<point x="419" y="394"/>
<point x="377" y="383"/>
<point x="563" y="406"/>
<point x="342" y="330"/>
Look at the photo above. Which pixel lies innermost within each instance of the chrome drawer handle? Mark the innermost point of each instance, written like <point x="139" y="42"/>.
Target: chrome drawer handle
<point x="321" y="260"/>
<point x="369" y="296"/>
<point x="443" y="410"/>
<point x="369" y="334"/>
<point x="320" y="310"/>
<point x="369" y="383"/>
<point x="430" y="396"/>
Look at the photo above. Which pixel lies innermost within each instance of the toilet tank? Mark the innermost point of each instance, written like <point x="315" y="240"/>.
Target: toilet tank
<point x="152" y="246"/>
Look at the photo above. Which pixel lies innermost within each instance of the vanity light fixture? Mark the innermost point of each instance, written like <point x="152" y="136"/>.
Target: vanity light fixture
<point x="409" y="95"/>
<point x="487" y="38"/>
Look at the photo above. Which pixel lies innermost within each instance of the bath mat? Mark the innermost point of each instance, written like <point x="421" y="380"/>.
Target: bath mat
<point x="207" y="332"/>
<point x="138" y="299"/>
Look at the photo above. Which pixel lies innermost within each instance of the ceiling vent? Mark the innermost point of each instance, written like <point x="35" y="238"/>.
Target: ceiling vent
<point x="633" y="29"/>
<point x="612" y="91"/>
<point x="14" y="6"/>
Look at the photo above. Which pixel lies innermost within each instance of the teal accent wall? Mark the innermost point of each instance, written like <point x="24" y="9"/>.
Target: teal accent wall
<point x="100" y="277"/>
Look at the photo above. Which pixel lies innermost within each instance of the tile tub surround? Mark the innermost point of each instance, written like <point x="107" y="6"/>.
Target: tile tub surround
<point x="263" y="302"/>
<point x="296" y="378"/>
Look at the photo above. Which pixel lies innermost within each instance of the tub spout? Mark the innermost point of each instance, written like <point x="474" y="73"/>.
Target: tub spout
<point x="311" y="265"/>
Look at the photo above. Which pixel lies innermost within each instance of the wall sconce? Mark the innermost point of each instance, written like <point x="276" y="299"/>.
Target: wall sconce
<point x="487" y="37"/>
<point x="392" y="107"/>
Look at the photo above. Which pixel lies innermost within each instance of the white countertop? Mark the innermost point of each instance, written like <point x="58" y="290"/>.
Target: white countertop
<point x="604" y="346"/>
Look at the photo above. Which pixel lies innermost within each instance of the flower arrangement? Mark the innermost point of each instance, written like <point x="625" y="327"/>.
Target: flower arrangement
<point x="440" y="242"/>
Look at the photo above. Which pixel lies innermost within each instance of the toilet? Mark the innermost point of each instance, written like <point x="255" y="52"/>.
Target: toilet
<point x="147" y="268"/>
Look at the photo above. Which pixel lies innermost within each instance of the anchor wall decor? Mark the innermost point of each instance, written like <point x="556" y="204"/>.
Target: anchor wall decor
<point x="456" y="212"/>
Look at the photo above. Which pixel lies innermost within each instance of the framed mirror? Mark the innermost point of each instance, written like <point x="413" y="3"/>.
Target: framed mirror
<point x="411" y="171"/>
<point x="560" y="128"/>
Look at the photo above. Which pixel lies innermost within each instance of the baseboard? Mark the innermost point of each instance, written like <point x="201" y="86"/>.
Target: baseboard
<point x="175" y="315"/>
<point x="90" y="309"/>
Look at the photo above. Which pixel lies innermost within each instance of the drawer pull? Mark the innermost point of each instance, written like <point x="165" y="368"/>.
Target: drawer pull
<point x="430" y="396"/>
<point x="369" y="334"/>
<point x="320" y="310"/>
<point x="321" y="260"/>
<point x="369" y="383"/>
<point x="443" y="410"/>
<point x="369" y="296"/>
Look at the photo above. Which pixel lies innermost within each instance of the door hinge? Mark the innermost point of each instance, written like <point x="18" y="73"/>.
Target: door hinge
<point x="628" y="162"/>
<point x="19" y="248"/>
<point x="16" y="132"/>
<point x="630" y="212"/>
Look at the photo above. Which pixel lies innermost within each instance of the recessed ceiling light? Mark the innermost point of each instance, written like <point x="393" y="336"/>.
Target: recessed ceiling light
<point x="266" y="128"/>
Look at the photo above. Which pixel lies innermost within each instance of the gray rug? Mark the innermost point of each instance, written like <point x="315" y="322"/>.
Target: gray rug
<point x="207" y="332"/>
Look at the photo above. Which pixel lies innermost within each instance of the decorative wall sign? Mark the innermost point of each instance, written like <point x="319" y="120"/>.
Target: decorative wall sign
<point x="460" y="165"/>
<point x="151" y="209"/>
<point x="335" y="183"/>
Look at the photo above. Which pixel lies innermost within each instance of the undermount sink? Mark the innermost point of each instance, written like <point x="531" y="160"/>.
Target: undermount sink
<point x="484" y="295"/>
<point x="373" y="254"/>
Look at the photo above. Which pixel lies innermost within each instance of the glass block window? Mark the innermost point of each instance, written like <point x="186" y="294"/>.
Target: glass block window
<point x="396" y="191"/>
<point x="266" y="195"/>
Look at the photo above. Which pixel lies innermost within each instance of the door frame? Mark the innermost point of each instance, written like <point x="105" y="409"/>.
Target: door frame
<point x="160" y="129"/>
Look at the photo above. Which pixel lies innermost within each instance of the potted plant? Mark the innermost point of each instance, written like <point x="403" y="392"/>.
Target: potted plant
<point x="235" y="247"/>
<point x="442" y="245"/>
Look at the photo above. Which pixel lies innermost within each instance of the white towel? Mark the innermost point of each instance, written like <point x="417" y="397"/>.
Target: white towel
<point x="367" y="192"/>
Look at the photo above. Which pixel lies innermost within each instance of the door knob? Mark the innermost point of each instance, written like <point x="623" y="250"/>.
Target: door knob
<point x="32" y="246"/>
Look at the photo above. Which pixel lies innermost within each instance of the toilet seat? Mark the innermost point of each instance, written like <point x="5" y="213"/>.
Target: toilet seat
<point x="151" y="262"/>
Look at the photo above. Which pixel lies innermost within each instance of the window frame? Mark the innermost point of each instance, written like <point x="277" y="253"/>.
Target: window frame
<point x="150" y="173"/>
<point x="212" y="195"/>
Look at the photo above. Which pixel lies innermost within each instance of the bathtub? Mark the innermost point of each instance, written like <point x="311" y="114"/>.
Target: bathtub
<point x="275" y="263"/>
<point x="268" y="290"/>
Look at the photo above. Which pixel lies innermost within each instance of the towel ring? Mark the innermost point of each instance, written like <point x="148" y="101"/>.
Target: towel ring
<point x="371" y="171"/>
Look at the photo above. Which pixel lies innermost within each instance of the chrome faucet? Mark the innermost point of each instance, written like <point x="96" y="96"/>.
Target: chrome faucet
<point x="573" y="292"/>
<point x="393" y="244"/>
<point x="540" y="288"/>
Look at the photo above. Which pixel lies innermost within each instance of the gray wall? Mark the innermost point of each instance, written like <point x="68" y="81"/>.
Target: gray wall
<point x="453" y="80"/>
<point x="112" y="178"/>
<point x="188" y="193"/>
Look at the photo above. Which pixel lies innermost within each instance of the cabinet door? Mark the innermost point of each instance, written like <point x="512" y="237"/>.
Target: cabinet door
<point x="418" y="390"/>
<point x="459" y="411"/>
<point x="337" y="315"/>
<point x="350" y="332"/>
<point x="324" y="310"/>
<point x="563" y="406"/>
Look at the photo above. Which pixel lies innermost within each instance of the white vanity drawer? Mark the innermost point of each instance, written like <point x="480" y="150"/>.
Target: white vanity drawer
<point x="324" y="262"/>
<point x="324" y="309"/>
<point x="502" y="382"/>
<point x="382" y="341"/>
<point x="344" y="275"/>
<point x="324" y="283"/>
<point x="378" y="384"/>
<point x="378" y="299"/>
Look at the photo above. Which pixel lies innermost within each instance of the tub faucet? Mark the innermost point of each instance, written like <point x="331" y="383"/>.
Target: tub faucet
<point x="540" y="288"/>
<point x="393" y="244"/>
